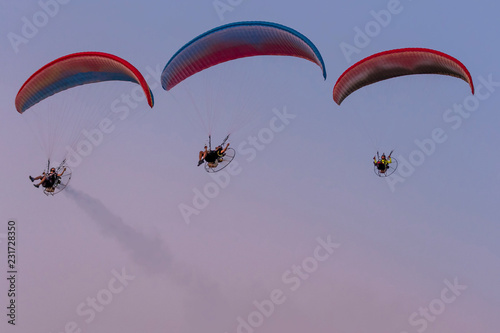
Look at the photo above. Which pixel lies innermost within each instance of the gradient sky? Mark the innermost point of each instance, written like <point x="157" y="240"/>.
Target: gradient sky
<point x="402" y="242"/>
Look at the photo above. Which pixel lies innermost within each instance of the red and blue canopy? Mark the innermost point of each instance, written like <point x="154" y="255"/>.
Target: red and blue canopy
<point x="234" y="41"/>
<point x="77" y="69"/>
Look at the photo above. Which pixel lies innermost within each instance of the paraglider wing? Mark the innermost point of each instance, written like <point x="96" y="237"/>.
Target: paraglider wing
<point x="77" y="69"/>
<point x="394" y="63"/>
<point x="234" y="41"/>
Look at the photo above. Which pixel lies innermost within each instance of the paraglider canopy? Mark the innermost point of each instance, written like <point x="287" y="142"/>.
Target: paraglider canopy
<point x="64" y="126"/>
<point x="384" y="166"/>
<point x="398" y="62"/>
<point x="234" y="41"/>
<point x="74" y="70"/>
<point x="229" y="103"/>
<point x="59" y="183"/>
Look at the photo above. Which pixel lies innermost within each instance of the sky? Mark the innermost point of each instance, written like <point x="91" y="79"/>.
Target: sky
<point x="296" y="235"/>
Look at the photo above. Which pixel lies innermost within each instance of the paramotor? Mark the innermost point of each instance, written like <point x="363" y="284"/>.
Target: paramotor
<point x="222" y="48"/>
<point x="71" y="123"/>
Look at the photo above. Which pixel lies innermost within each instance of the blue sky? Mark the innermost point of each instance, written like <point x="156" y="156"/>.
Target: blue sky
<point x="400" y="243"/>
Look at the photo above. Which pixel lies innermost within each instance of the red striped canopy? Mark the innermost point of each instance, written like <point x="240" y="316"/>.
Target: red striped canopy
<point x="394" y="63"/>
